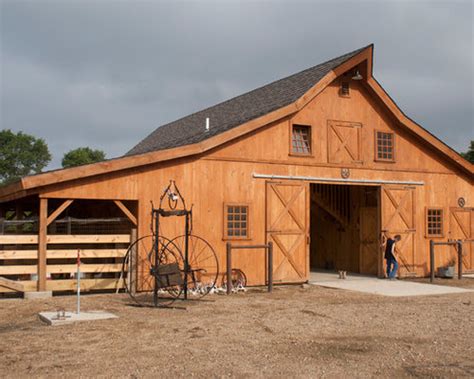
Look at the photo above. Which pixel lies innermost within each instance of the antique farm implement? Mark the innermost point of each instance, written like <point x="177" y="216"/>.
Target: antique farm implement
<point x="158" y="270"/>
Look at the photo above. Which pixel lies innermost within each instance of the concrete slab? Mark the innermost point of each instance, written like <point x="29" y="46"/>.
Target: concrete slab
<point x="376" y="286"/>
<point x="38" y="295"/>
<point x="471" y="276"/>
<point x="51" y="318"/>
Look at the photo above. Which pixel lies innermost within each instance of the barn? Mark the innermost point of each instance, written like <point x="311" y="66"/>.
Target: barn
<point x="322" y="163"/>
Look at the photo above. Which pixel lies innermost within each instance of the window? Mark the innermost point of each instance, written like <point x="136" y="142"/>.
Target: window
<point x="434" y="222"/>
<point x="236" y="221"/>
<point x="384" y="146"/>
<point x="345" y="89"/>
<point x="301" y="140"/>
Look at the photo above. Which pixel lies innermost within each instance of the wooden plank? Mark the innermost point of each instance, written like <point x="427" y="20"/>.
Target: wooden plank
<point x="65" y="238"/>
<point x="58" y="211"/>
<point x="11" y="284"/>
<point x="70" y="285"/>
<point x="86" y="284"/>
<point x="59" y="254"/>
<point x="42" y="243"/>
<point x="87" y="253"/>
<point x="85" y="268"/>
<point x="16" y="239"/>
<point x="28" y="286"/>
<point x="126" y="211"/>
<point x="61" y="269"/>
<point x="18" y="269"/>
<point x="89" y="238"/>
<point x="18" y="254"/>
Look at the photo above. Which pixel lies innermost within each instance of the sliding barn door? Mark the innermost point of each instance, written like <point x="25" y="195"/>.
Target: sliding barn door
<point x="398" y="217"/>
<point x="461" y="225"/>
<point x="287" y="227"/>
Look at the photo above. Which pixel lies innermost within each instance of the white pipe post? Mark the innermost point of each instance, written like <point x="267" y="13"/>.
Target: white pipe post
<point x="78" y="281"/>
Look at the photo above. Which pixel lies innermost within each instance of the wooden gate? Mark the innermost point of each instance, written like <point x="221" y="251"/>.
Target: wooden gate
<point x="287" y="215"/>
<point x="398" y="217"/>
<point x="369" y="242"/>
<point x="461" y="225"/>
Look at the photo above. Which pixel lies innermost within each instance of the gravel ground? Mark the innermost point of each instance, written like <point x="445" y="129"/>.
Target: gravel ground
<point x="293" y="332"/>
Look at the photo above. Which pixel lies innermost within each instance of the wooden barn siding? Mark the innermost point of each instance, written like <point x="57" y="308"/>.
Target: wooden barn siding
<point x="225" y="175"/>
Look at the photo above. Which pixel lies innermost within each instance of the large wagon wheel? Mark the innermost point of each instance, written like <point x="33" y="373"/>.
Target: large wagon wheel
<point x="203" y="269"/>
<point x="141" y="275"/>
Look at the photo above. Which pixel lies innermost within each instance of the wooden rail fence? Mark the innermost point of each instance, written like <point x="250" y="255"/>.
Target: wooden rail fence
<point x="19" y="262"/>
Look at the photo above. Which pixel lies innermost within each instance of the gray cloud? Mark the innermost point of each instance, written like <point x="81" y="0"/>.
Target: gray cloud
<point x="106" y="73"/>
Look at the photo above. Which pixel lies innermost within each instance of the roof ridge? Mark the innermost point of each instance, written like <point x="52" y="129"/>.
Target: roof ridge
<point x="186" y="129"/>
<point x="270" y="83"/>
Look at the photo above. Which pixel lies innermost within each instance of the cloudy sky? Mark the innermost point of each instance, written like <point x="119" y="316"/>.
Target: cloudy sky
<point x="106" y="73"/>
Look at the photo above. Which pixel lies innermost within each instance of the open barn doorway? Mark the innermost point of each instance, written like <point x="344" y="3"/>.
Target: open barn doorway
<point x="345" y="228"/>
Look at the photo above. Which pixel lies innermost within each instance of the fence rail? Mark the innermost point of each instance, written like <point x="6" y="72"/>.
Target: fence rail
<point x="102" y="260"/>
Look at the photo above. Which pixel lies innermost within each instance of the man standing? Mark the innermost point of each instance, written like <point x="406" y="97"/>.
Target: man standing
<point x="390" y="256"/>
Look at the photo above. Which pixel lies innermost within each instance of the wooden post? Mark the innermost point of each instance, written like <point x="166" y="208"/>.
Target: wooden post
<point x="432" y="261"/>
<point x="270" y="266"/>
<point x="133" y="269"/>
<point x="42" y="235"/>
<point x="229" y="267"/>
<point x="459" y="243"/>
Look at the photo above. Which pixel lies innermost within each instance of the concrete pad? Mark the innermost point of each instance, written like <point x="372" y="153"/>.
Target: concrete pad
<point x="51" y="318"/>
<point x="38" y="295"/>
<point x="376" y="286"/>
<point x="470" y="276"/>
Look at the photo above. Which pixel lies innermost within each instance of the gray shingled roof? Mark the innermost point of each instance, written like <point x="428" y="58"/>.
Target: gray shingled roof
<point x="238" y="110"/>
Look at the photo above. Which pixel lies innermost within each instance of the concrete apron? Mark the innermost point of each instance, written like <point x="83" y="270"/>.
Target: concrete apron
<point x="384" y="287"/>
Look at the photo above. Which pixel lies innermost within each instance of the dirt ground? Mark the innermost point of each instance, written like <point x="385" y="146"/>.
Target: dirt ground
<point x="293" y="332"/>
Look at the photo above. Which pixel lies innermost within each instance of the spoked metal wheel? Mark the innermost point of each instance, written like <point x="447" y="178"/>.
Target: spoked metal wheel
<point x="150" y="280"/>
<point x="239" y="280"/>
<point x="203" y="267"/>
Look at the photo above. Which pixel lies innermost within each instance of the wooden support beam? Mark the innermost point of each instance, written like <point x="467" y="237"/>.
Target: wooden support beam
<point x="127" y="212"/>
<point x="329" y="210"/>
<point x="11" y="284"/>
<point x="42" y="243"/>
<point x="53" y="216"/>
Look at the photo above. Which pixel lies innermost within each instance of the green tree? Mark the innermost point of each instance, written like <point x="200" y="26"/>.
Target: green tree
<point x="21" y="154"/>
<point x="469" y="154"/>
<point x="82" y="155"/>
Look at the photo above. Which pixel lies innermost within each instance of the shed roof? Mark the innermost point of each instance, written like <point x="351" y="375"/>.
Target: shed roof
<point x="238" y="110"/>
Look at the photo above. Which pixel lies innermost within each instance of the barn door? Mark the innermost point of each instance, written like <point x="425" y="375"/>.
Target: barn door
<point x="398" y="217"/>
<point x="461" y="225"/>
<point x="287" y="227"/>
<point x="344" y="143"/>
<point x="369" y="242"/>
